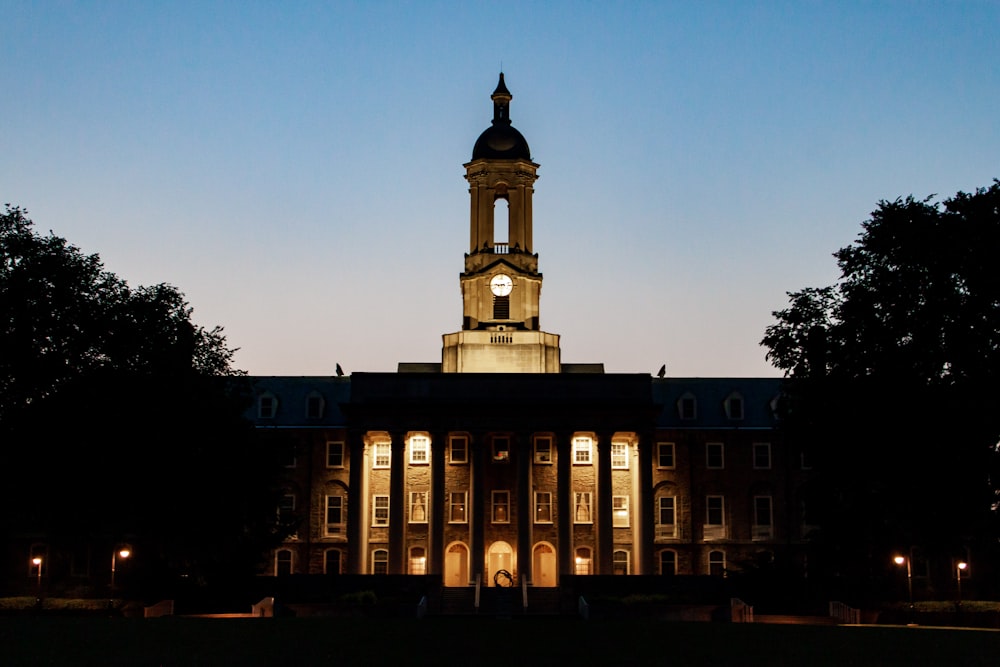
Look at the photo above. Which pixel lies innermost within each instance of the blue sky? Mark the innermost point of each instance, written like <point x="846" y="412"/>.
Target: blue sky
<point x="296" y="168"/>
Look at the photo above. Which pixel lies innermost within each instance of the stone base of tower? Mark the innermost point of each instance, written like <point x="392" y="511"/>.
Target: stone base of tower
<point x="498" y="351"/>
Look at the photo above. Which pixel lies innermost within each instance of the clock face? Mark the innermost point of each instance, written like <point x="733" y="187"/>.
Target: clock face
<point x="501" y="285"/>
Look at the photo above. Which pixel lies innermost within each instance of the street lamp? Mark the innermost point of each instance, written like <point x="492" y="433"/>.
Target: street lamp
<point x="958" y="571"/>
<point x="37" y="562"/>
<point x="115" y="555"/>
<point x="899" y="560"/>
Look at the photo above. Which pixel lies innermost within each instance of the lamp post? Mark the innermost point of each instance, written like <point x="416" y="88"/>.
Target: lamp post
<point x="37" y="562"/>
<point x="958" y="572"/>
<point x="899" y="560"/>
<point x="115" y="555"/>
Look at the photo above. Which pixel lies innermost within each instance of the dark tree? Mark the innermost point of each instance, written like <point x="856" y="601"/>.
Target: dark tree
<point x="894" y="382"/>
<point x="120" y="419"/>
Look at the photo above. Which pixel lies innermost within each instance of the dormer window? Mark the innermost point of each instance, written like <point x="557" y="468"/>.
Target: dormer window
<point x="267" y="406"/>
<point x="734" y="406"/>
<point x="315" y="405"/>
<point x="687" y="406"/>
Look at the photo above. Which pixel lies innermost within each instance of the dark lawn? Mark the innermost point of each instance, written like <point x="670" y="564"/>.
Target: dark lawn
<point x="26" y="640"/>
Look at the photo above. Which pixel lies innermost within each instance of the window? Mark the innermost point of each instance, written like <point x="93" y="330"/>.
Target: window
<point x="717" y="563"/>
<point x="456" y="507"/>
<point x="380" y="515"/>
<point x="543" y="449"/>
<point x="458" y="449"/>
<point x="543" y="507"/>
<point x="501" y="449"/>
<point x="334" y="455"/>
<point x="762" y="522"/>
<point x="687" y="407"/>
<point x="418" y="560"/>
<point x="286" y="514"/>
<point x="734" y="406"/>
<point x="582" y="507"/>
<point x="619" y="455"/>
<point x="762" y="455"/>
<point x="665" y="455"/>
<point x="501" y="507"/>
<point x="501" y="307"/>
<point x="335" y="515"/>
<point x="582" y="448"/>
<point x="715" y="518"/>
<point x="283" y="562"/>
<point x="420" y="450"/>
<point x="314" y="406"/>
<point x="666" y="521"/>
<point x="418" y="507"/>
<point x="332" y="559"/>
<point x="583" y="560"/>
<point x="668" y="563"/>
<point x="619" y="511"/>
<point x="287" y="453"/>
<point x="267" y="406"/>
<point x="380" y="561"/>
<point x="714" y="457"/>
<point x="619" y="562"/>
<point x="383" y="455"/>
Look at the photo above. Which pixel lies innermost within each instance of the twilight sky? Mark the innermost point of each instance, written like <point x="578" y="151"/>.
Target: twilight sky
<point x="296" y="169"/>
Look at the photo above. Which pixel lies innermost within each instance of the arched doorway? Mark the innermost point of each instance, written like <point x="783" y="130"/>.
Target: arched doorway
<point x="456" y="565"/>
<point x="543" y="565"/>
<point x="499" y="557"/>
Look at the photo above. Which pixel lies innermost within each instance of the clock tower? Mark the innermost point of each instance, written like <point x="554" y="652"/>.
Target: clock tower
<point x="501" y="284"/>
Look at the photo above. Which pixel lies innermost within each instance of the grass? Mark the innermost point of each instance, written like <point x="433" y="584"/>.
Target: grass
<point x="37" y="640"/>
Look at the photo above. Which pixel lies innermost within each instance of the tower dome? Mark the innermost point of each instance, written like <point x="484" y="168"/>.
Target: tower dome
<point x="501" y="141"/>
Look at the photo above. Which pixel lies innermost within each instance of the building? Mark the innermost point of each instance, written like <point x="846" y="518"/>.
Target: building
<point x="503" y="464"/>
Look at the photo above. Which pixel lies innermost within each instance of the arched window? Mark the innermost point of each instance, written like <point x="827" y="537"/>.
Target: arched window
<point x="717" y="563"/>
<point x="501" y="222"/>
<point x="333" y="560"/>
<point x="619" y="562"/>
<point x="668" y="562"/>
<point x="267" y="405"/>
<point x="380" y="561"/>
<point x="283" y="562"/>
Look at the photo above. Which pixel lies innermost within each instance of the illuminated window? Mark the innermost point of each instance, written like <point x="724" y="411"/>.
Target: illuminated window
<point x="619" y="455"/>
<point x="501" y="507"/>
<point x="582" y="448"/>
<point x="267" y="406"/>
<point x="687" y="406"/>
<point x="583" y="560"/>
<point x="418" y="507"/>
<point x="380" y="561"/>
<point x="715" y="527"/>
<point x="619" y="511"/>
<point x="762" y="455"/>
<point x="543" y="507"/>
<point x="458" y="449"/>
<point x="335" y="515"/>
<point x="714" y="457"/>
<point x="334" y="455"/>
<point x="419" y="450"/>
<point x="666" y="517"/>
<point x="717" y="563"/>
<point x="418" y="560"/>
<point x="734" y="406"/>
<point x="543" y="449"/>
<point x="380" y="517"/>
<point x="456" y="507"/>
<point x="582" y="507"/>
<point x="668" y="562"/>
<point x="664" y="455"/>
<point x="332" y="561"/>
<point x="383" y="455"/>
<point x="762" y="518"/>
<point x="314" y="406"/>
<point x="283" y="562"/>
<point x="501" y="449"/>
<point x="619" y="562"/>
